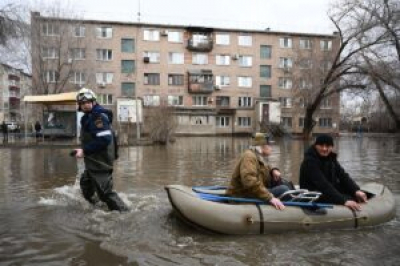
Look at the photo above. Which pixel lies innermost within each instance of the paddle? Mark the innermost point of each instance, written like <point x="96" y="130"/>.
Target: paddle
<point x="218" y="198"/>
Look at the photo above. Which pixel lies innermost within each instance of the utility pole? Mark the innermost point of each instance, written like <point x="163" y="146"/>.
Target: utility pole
<point x="137" y="83"/>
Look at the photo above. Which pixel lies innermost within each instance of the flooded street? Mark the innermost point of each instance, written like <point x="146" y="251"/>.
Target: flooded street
<point x="44" y="220"/>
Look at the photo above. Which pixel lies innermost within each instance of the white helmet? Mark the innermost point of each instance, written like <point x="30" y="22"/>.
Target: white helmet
<point x="85" y="95"/>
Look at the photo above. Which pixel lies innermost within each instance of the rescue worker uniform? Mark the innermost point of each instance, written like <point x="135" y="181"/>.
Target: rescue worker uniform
<point x="99" y="150"/>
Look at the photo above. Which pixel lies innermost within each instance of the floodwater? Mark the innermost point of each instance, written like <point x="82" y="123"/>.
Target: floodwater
<point x="45" y="221"/>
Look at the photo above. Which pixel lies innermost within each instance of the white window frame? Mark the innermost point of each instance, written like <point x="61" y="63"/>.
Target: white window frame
<point x="222" y="81"/>
<point x="245" y="61"/>
<point x="222" y="60"/>
<point x="78" y="78"/>
<point x="244" y="121"/>
<point x="245" y="101"/>
<point x="245" y="40"/>
<point x="175" y="36"/>
<point x="325" y="122"/>
<point x="305" y="44"/>
<point x="51" y="29"/>
<point x="199" y="100"/>
<point x="222" y="121"/>
<point x="286" y="42"/>
<point x="326" y="103"/>
<point x="77" y="53"/>
<point x="245" y="82"/>
<point x="175" y="100"/>
<point x="325" y="45"/>
<point x="104" y="77"/>
<point x="104" y="54"/>
<point x="79" y="31"/>
<point x="285" y="83"/>
<point x="286" y="102"/>
<point x="222" y="39"/>
<point x="199" y="58"/>
<point x="104" y="98"/>
<point x="50" y="76"/>
<point x="285" y="121"/>
<point x="154" y="57"/>
<point x="151" y="35"/>
<point x="151" y="100"/>
<point x="285" y="62"/>
<point x="104" y="32"/>
<point x="49" y="53"/>
<point x="176" y="58"/>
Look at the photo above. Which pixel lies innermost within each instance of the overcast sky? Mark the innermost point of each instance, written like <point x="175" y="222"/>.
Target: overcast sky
<point x="309" y="16"/>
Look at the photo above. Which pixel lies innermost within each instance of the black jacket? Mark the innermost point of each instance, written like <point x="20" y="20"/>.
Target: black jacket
<point x="326" y="175"/>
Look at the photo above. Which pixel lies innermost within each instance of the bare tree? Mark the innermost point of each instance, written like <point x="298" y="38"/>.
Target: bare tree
<point x="161" y="124"/>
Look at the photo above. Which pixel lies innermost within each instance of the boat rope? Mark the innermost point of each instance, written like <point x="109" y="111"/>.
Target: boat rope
<point x="261" y="219"/>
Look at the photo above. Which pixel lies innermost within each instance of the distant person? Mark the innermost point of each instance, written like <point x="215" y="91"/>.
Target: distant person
<point x="253" y="178"/>
<point x="38" y="129"/>
<point x="98" y="151"/>
<point x="4" y="130"/>
<point x="320" y="171"/>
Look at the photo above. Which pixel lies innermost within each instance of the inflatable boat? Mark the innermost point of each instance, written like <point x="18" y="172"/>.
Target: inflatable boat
<point x="210" y="209"/>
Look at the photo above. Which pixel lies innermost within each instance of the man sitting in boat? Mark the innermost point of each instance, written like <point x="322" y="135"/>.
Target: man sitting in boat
<point x="253" y="177"/>
<point x="320" y="171"/>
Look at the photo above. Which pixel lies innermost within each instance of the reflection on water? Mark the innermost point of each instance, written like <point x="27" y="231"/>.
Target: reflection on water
<point x="44" y="219"/>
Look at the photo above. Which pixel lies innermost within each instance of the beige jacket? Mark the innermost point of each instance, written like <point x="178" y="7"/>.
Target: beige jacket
<point x="250" y="177"/>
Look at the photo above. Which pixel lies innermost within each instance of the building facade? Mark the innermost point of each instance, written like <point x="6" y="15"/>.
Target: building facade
<point x="14" y="84"/>
<point x="218" y="81"/>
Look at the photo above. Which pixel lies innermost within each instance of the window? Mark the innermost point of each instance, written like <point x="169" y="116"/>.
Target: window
<point x="151" y="100"/>
<point x="244" y="101"/>
<point x="50" y="29"/>
<point x="49" y="53"/>
<point x="223" y="101"/>
<point x="104" y="77"/>
<point x="305" y="84"/>
<point x="265" y="71"/>
<point x="151" y="35"/>
<point x="222" y="60"/>
<point x="305" y="63"/>
<point x="326" y="65"/>
<point x="50" y="76"/>
<point x="286" y="122"/>
<point x="245" y="40"/>
<point x="200" y="100"/>
<point x="222" y="121"/>
<point x="200" y="59"/>
<point x="79" y="31"/>
<point x="325" y="122"/>
<point x="174" y="100"/>
<point x="104" y="32"/>
<point x="154" y="57"/>
<point x="325" y="45"/>
<point x="285" y="42"/>
<point x="175" y="58"/>
<point x="303" y="102"/>
<point x="127" y="45"/>
<point x="127" y="66"/>
<point x="77" y="53"/>
<point x="244" y="121"/>
<point x="175" y="36"/>
<point x="285" y="83"/>
<point x="199" y="120"/>
<point x="104" y="54"/>
<point x="285" y="62"/>
<point x="222" y="80"/>
<point x="151" y="79"/>
<point x="222" y="39"/>
<point x="286" y="102"/>
<point x="301" y="121"/>
<point x="265" y="51"/>
<point x="265" y="91"/>
<point x="104" y="99"/>
<point x="245" y="61"/>
<point x="245" y="82"/>
<point x="305" y="44"/>
<point x="128" y="89"/>
<point x="200" y="39"/>
<point x="175" y="79"/>
<point x="78" y="78"/>
<point x="326" y="103"/>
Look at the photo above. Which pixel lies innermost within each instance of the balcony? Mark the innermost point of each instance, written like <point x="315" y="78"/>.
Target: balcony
<point x="223" y="105"/>
<point x="200" y="81"/>
<point x="200" y="39"/>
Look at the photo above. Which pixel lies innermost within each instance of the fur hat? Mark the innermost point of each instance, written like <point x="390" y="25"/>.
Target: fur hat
<point x="324" y="139"/>
<point x="260" y="139"/>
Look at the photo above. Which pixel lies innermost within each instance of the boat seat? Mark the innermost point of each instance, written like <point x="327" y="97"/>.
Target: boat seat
<point x="300" y="195"/>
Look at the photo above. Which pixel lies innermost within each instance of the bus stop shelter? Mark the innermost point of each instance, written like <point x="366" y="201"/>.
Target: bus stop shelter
<point x="66" y="98"/>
